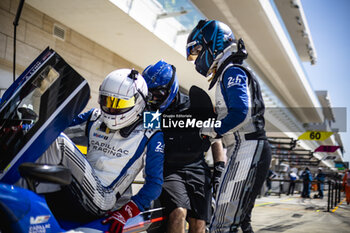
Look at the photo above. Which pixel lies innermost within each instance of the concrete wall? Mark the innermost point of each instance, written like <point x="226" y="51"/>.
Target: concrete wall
<point x="35" y="33"/>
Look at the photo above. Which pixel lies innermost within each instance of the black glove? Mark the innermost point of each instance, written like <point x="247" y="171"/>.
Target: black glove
<point x="219" y="168"/>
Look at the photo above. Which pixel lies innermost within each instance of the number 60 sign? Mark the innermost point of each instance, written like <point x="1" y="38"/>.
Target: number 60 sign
<point x="315" y="135"/>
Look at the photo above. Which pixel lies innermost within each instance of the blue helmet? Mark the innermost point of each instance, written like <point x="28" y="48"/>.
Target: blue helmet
<point x="206" y="44"/>
<point x="162" y="83"/>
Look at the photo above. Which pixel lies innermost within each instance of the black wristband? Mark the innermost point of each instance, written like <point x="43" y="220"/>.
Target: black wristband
<point x="219" y="167"/>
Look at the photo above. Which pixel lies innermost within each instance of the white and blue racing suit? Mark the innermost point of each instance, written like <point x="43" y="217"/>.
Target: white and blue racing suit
<point x="111" y="164"/>
<point x="240" y="109"/>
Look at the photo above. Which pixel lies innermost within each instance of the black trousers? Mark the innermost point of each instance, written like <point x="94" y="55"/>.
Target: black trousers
<point x="291" y="187"/>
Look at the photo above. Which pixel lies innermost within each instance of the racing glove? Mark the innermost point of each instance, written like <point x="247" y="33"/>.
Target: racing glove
<point x="219" y="168"/>
<point x="118" y="218"/>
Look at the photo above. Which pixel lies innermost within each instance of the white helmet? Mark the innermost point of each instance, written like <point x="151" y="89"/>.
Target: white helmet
<point x="121" y="98"/>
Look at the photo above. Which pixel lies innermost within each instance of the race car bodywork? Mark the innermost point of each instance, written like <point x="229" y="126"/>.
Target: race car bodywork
<point x="34" y="110"/>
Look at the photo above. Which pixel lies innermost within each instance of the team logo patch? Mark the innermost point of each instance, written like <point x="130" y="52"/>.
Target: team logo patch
<point x="100" y="136"/>
<point x="39" y="219"/>
<point x="160" y="147"/>
<point x="235" y="81"/>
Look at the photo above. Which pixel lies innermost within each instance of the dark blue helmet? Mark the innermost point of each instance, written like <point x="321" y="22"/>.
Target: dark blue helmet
<point x="162" y="83"/>
<point x="206" y="44"/>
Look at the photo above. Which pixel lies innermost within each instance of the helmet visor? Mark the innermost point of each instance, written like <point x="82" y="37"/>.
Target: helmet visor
<point x="193" y="49"/>
<point x="158" y="96"/>
<point x="115" y="106"/>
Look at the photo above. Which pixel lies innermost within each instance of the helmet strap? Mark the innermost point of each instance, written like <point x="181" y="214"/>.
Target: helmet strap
<point x="145" y="98"/>
<point x="133" y="75"/>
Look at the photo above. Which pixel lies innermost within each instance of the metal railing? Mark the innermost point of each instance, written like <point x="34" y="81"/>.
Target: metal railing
<point x="334" y="191"/>
<point x="334" y="194"/>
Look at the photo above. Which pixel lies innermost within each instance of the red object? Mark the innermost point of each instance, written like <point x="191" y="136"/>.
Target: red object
<point x="325" y="148"/>
<point x="118" y="218"/>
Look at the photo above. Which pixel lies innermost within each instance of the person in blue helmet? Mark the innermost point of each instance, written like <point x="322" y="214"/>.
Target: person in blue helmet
<point x="240" y="108"/>
<point x="307" y="178"/>
<point x="186" y="192"/>
<point x="320" y="182"/>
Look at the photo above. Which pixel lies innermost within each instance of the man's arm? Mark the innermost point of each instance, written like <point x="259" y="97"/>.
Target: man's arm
<point x="273" y="175"/>
<point x="219" y="158"/>
<point x="82" y="118"/>
<point x="235" y="92"/>
<point x="149" y="191"/>
<point x="78" y="130"/>
<point x="154" y="173"/>
<point x="218" y="152"/>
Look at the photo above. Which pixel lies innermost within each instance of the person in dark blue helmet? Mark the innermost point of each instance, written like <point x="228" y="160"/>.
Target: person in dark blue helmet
<point x="163" y="85"/>
<point x="186" y="192"/>
<point x="240" y="108"/>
